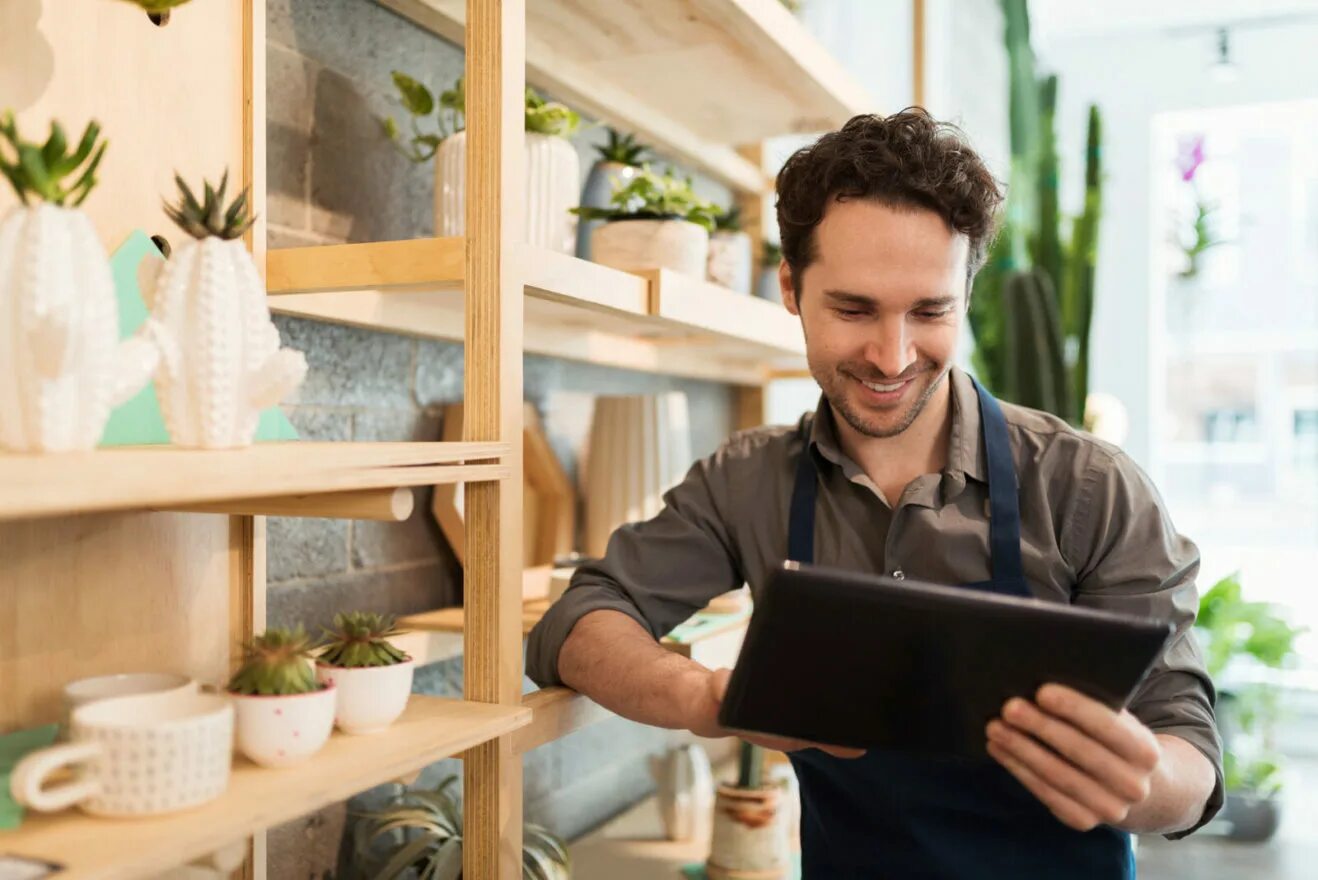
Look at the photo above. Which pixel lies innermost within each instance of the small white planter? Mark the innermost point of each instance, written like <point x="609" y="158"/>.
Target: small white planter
<point x="62" y="365"/>
<point x="642" y="245"/>
<point x="370" y="697"/>
<point x="553" y="172"/>
<point x="749" y="839"/>
<point x="729" y="262"/>
<point x="280" y="731"/>
<point x="221" y="360"/>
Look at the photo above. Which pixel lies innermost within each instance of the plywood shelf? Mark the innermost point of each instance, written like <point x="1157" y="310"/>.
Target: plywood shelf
<point x="647" y="66"/>
<point x="264" y="475"/>
<point x="659" y="322"/>
<point x="107" y="849"/>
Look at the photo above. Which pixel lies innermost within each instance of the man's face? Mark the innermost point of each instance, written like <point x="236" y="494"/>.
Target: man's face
<point x="881" y="306"/>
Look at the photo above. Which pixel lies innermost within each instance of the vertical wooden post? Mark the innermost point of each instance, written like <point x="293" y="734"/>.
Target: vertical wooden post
<point x="495" y="227"/>
<point x="752" y="210"/>
<point x="917" y="52"/>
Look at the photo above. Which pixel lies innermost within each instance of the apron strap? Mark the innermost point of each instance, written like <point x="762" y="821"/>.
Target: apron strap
<point x="1004" y="503"/>
<point x="801" y="515"/>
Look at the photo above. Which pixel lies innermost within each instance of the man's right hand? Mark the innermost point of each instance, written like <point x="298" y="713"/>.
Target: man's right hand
<point x="706" y="695"/>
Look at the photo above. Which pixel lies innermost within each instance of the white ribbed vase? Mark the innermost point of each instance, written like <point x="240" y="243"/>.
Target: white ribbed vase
<point x="62" y="365"/>
<point x="553" y="173"/>
<point x="221" y="361"/>
<point x="642" y="245"/>
<point x="729" y="263"/>
<point x="640" y="446"/>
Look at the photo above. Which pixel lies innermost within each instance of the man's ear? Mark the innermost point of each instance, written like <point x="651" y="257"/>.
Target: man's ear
<point x="787" y="289"/>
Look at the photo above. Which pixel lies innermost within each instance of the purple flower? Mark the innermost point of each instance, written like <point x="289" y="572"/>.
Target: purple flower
<point x="1190" y="156"/>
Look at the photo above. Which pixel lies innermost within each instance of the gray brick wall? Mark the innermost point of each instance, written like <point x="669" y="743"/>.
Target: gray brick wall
<point x="333" y="178"/>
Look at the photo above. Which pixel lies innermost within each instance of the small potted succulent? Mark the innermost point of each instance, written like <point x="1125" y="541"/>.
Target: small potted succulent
<point x="65" y="367"/>
<point x="222" y="362"/>
<point x="729" y="263"/>
<point x="750" y="834"/>
<point x="373" y="678"/>
<point x="422" y="831"/>
<point x="766" y="285"/>
<point x="653" y="221"/>
<point x="552" y="166"/>
<point x="619" y="160"/>
<point x="283" y="714"/>
<point x="158" y="10"/>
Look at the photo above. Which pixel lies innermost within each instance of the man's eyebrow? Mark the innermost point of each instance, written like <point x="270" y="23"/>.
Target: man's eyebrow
<point x="844" y="297"/>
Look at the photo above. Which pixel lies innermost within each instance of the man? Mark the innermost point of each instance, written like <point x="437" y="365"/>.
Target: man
<point x="884" y="224"/>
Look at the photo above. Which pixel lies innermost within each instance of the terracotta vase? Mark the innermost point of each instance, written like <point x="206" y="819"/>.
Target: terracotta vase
<point x="749" y="840"/>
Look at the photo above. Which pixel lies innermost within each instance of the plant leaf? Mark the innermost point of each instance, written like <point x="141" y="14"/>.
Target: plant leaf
<point x="403" y="858"/>
<point x="52" y="154"/>
<point x="416" y="97"/>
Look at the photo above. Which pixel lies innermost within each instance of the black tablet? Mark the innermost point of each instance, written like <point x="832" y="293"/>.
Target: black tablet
<point x="876" y="663"/>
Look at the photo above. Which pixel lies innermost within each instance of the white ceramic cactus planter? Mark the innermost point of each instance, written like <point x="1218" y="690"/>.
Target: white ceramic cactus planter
<point x="280" y="731"/>
<point x="370" y="697"/>
<point x="641" y="245"/>
<point x="62" y="365"/>
<point x="221" y="361"/>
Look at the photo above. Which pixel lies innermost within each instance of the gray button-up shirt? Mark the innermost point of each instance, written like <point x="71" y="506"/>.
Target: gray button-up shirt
<point x="1094" y="532"/>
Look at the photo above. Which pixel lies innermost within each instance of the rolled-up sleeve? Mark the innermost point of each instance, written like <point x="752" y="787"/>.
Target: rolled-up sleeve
<point x="657" y="572"/>
<point x="1129" y="558"/>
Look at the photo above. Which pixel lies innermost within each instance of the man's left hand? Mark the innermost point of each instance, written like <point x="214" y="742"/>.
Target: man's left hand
<point x="1088" y="764"/>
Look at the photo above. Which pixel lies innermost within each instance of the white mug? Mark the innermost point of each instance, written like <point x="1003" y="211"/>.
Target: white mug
<point x="103" y="687"/>
<point x="136" y="756"/>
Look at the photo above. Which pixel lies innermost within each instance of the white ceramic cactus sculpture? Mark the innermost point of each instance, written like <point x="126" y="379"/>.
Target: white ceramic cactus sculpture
<point x="62" y="365"/>
<point x="221" y="360"/>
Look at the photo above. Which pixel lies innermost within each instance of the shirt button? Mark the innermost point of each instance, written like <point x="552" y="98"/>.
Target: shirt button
<point x="899" y="575"/>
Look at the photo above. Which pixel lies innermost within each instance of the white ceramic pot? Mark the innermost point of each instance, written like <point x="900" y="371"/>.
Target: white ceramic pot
<point x="749" y="838"/>
<point x="642" y="245"/>
<point x="553" y="173"/>
<point x="280" y="731"/>
<point x="685" y="790"/>
<point x="729" y="263"/>
<point x="62" y="365"/>
<point x="370" y="697"/>
<point x="135" y="756"/>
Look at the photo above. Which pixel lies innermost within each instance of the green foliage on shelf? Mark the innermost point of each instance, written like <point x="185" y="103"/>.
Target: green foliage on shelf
<point x="361" y="638"/>
<point x="42" y="172"/>
<point x="729" y="220"/>
<point x="208" y="216"/>
<point x="277" y="662"/>
<point x="652" y="196"/>
<point x="623" y="149"/>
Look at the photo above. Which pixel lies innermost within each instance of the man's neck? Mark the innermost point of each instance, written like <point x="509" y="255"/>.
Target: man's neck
<point x="892" y="462"/>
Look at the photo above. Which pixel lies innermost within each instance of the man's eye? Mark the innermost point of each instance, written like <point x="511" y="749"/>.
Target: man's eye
<point x="933" y="315"/>
<point x="849" y="314"/>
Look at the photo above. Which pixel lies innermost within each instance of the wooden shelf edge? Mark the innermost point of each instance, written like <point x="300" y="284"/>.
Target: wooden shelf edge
<point x="556" y="712"/>
<point x="422" y="261"/>
<point x="390" y="504"/>
<point x="695" y="302"/>
<point x="116" y="849"/>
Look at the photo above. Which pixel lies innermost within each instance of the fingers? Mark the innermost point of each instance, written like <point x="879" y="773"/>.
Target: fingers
<point x="1064" y="808"/>
<point x="1120" y="732"/>
<point x="1119" y="776"/>
<point x="1065" y="779"/>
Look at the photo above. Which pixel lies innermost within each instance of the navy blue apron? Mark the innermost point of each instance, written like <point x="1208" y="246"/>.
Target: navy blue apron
<point x="893" y="815"/>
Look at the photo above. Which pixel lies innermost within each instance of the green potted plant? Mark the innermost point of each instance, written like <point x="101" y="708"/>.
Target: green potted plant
<point x="729" y="263"/>
<point x="749" y="836"/>
<point x="421" y="831"/>
<point x="158" y="10"/>
<point x="283" y="714"/>
<point x="766" y="285"/>
<point x="552" y="166"/>
<point x="619" y="159"/>
<point x="373" y="677"/>
<point x="65" y="368"/>
<point x="1236" y="633"/>
<point x="653" y="221"/>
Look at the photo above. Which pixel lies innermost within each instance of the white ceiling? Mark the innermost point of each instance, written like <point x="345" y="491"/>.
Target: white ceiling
<point x="1063" y="19"/>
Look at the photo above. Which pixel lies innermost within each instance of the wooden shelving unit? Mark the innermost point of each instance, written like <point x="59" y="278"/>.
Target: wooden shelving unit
<point x="106" y="564"/>
<point x="98" y="849"/>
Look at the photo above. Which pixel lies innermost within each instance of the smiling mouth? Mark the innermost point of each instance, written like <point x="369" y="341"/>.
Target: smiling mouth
<point x="882" y="388"/>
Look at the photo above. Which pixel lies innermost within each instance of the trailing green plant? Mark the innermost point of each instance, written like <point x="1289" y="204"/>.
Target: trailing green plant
<point x="46" y="172"/>
<point x="1230" y="628"/>
<point x="209" y="216"/>
<point x="750" y="766"/>
<point x="541" y="116"/>
<point x="623" y="149"/>
<point x="1031" y="240"/>
<point x="421" y="831"/>
<point x="277" y="662"/>
<point x="652" y="196"/>
<point x="361" y="638"/>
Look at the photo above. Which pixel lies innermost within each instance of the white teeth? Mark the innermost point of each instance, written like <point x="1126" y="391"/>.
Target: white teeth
<point x="881" y="388"/>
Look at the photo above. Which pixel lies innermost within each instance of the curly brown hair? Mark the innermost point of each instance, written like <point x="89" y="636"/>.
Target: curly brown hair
<point x="908" y="159"/>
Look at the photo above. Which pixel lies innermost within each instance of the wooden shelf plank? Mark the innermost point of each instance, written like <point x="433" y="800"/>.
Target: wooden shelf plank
<point x="695" y="303"/>
<point x="167" y="477"/>
<point x="556" y="712"/>
<point x="646" y="67"/>
<point x="429" y="261"/>
<point x="109" y="849"/>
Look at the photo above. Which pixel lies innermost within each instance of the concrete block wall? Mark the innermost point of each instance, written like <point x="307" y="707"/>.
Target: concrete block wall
<point x="334" y="178"/>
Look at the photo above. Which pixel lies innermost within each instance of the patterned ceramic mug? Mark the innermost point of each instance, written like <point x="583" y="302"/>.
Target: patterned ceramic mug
<point x="135" y="756"/>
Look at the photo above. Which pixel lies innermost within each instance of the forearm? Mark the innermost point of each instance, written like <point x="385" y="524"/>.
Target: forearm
<point x="1178" y="790"/>
<point x="612" y="659"/>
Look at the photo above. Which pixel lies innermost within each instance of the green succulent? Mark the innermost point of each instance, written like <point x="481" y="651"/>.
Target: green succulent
<point x="277" y="662"/>
<point x="654" y="197"/>
<point x="542" y="117"/>
<point x="40" y="171"/>
<point x="729" y="220"/>
<point x="209" y="217"/>
<point x="421" y="831"/>
<point x="623" y="149"/>
<point x="771" y="255"/>
<point x="359" y="638"/>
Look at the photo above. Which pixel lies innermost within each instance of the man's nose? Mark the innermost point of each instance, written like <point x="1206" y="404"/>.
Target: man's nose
<point x="891" y="350"/>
